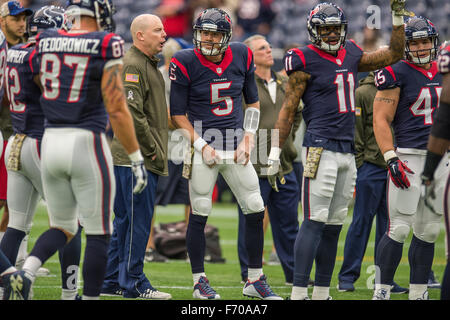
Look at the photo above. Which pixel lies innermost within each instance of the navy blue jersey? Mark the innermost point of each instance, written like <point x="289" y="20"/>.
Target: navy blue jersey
<point x="71" y="68"/>
<point x="444" y="60"/>
<point x="3" y="53"/>
<point x="329" y="97"/>
<point x="212" y="93"/>
<point x="23" y="93"/>
<point x="420" y="91"/>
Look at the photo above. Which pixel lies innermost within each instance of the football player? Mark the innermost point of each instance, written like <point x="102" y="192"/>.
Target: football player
<point x="323" y="74"/>
<point x="23" y="150"/>
<point x="76" y="162"/>
<point x="438" y="144"/>
<point x="207" y="86"/>
<point x="13" y="17"/>
<point x="408" y="93"/>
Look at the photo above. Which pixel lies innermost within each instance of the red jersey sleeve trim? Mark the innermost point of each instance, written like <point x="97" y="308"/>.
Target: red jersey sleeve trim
<point x="182" y="68"/>
<point x="249" y="58"/>
<point x="105" y="44"/>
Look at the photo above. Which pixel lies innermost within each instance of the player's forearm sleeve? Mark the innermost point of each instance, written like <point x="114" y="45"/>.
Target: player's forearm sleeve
<point x="179" y="95"/>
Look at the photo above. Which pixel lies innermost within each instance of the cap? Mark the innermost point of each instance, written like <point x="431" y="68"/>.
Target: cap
<point x="13" y="8"/>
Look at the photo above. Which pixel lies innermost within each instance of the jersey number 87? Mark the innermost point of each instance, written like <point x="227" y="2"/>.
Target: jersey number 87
<point x="51" y="70"/>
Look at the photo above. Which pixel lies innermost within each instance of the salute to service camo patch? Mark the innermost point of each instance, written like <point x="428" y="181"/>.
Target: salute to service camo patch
<point x="14" y="154"/>
<point x="312" y="162"/>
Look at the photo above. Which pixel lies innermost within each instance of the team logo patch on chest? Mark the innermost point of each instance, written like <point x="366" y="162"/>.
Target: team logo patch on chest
<point x="219" y="70"/>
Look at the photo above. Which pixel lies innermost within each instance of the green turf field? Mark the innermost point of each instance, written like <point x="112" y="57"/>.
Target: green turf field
<point x="175" y="277"/>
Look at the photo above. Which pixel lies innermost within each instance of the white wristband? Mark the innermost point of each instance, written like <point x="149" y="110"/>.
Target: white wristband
<point x="397" y="20"/>
<point x="251" y="120"/>
<point x="388" y="155"/>
<point x="136" y="156"/>
<point x="199" y="144"/>
<point x="274" y="153"/>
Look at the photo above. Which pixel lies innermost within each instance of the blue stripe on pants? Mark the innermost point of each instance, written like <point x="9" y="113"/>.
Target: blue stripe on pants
<point x="106" y="179"/>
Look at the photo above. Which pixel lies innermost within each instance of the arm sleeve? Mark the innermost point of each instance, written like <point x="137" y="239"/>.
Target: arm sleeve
<point x="386" y="79"/>
<point x="178" y="99"/>
<point x="294" y="60"/>
<point x="112" y="50"/>
<point x="444" y="60"/>
<point x="250" y="89"/>
<point x="179" y="87"/>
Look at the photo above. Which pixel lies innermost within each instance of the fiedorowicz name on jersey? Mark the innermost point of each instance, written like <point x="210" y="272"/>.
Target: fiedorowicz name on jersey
<point x="76" y="45"/>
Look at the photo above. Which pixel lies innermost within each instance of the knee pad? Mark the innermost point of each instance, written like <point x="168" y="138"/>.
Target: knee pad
<point x="254" y="203"/>
<point x="429" y="232"/>
<point x="202" y="206"/>
<point x="399" y="232"/>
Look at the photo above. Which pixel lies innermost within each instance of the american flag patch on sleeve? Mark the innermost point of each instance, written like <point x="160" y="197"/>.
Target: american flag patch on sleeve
<point x="130" y="77"/>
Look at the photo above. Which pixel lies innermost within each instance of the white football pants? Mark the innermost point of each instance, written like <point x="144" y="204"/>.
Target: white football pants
<point x="242" y="180"/>
<point x="78" y="176"/>
<point x="406" y="207"/>
<point x="327" y="197"/>
<point x="24" y="186"/>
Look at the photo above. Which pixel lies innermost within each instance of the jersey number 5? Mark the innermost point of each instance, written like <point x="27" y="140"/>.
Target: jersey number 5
<point x="51" y="71"/>
<point x="216" y="98"/>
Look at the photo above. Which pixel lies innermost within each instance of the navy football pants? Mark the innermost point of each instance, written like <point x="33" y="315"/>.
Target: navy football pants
<point x="370" y="201"/>
<point x="283" y="215"/>
<point x="133" y="217"/>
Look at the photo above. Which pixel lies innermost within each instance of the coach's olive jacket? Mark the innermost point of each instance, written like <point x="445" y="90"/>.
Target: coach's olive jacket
<point x="145" y="94"/>
<point x="268" y="117"/>
<point x="366" y="146"/>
